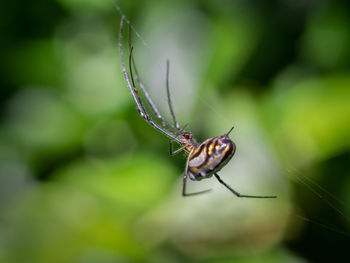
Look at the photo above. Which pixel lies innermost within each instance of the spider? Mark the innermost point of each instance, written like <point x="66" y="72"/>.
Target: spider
<point x="204" y="159"/>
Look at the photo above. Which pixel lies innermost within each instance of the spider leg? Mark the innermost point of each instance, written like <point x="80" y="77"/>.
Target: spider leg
<point x="184" y="180"/>
<point x="172" y="141"/>
<point x="134" y="92"/>
<point x="238" y="194"/>
<point x="169" y="98"/>
<point x="177" y="150"/>
<point x="144" y="91"/>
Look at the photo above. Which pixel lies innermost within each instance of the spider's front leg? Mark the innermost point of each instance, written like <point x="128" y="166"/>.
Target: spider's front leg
<point x="177" y="150"/>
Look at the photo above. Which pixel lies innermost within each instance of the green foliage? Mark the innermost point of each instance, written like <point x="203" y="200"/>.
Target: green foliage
<point x="84" y="179"/>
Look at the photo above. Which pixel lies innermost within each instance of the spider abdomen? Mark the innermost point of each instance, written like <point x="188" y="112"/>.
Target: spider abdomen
<point x="210" y="156"/>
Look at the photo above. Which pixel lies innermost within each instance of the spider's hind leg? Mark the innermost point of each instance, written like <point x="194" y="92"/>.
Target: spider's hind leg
<point x="184" y="180"/>
<point x="240" y="195"/>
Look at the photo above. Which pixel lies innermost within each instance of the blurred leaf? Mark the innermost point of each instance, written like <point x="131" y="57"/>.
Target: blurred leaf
<point x="326" y="41"/>
<point x="92" y="78"/>
<point x="132" y="182"/>
<point x="310" y="119"/>
<point x="62" y="224"/>
<point x="39" y="121"/>
<point x="34" y="62"/>
<point x="109" y="138"/>
<point x="88" y="211"/>
<point x="80" y="6"/>
<point x="233" y="41"/>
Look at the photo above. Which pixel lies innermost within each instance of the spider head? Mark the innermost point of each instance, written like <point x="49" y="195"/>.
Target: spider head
<point x="187" y="135"/>
<point x="186" y="138"/>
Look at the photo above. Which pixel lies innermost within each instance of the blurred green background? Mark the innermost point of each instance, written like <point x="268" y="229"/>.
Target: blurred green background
<point x="84" y="179"/>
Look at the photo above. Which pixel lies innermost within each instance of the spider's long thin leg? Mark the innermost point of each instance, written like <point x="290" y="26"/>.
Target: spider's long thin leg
<point x="238" y="194"/>
<point x="144" y="91"/>
<point x="172" y="141"/>
<point x="134" y="92"/>
<point x="169" y="98"/>
<point x="184" y="180"/>
<point x="177" y="150"/>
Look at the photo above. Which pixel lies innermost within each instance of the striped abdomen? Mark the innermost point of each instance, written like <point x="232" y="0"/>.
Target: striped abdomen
<point x="210" y="156"/>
